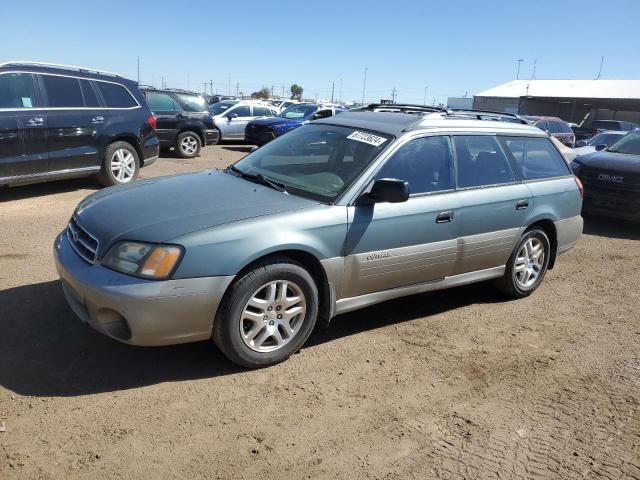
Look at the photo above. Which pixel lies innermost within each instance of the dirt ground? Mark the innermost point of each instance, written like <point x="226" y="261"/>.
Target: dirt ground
<point x="455" y="384"/>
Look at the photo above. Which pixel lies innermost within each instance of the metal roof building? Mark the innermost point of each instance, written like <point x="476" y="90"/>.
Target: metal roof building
<point x="571" y="100"/>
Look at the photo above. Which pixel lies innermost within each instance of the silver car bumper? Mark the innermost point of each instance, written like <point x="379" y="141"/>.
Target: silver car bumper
<point x="137" y="311"/>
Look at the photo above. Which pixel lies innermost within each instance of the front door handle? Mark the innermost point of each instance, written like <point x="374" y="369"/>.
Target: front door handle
<point x="522" y="204"/>
<point x="35" y="122"/>
<point x="444" y="217"/>
<point x="96" y="120"/>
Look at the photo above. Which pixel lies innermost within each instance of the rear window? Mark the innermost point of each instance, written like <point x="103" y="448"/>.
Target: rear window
<point x="607" y="125"/>
<point x="116" y="96"/>
<point x="536" y="157"/>
<point x="63" y="92"/>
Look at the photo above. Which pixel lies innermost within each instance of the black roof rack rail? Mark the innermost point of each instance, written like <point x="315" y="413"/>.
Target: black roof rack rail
<point x="401" y="108"/>
<point x="483" y="114"/>
<point x="23" y="63"/>
<point x="180" y="90"/>
<point x="146" y="87"/>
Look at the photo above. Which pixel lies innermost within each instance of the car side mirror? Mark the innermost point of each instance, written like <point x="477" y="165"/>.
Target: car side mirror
<point x="389" y="190"/>
<point x="231" y="116"/>
<point x="601" y="146"/>
<point x="581" y="143"/>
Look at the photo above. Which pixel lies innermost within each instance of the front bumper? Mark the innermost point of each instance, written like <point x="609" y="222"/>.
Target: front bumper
<point x="138" y="311"/>
<point x="260" y="137"/>
<point x="150" y="151"/>
<point x="213" y="136"/>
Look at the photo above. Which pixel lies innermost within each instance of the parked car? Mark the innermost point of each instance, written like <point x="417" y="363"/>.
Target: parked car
<point x="231" y="116"/>
<point x="598" y="142"/>
<point x="211" y="99"/>
<point x="612" y="179"/>
<point x="183" y="121"/>
<point x="282" y="105"/>
<point x="599" y="126"/>
<point x="60" y="122"/>
<point x="264" y="130"/>
<point x="339" y="214"/>
<point x="556" y="127"/>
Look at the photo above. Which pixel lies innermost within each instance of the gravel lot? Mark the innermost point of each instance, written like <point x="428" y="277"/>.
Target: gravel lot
<point x="455" y="384"/>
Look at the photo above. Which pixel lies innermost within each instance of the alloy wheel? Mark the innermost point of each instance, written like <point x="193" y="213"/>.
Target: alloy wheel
<point x="273" y="316"/>
<point x="123" y="165"/>
<point x="189" y="145"/>
<point x="529" y="263"/>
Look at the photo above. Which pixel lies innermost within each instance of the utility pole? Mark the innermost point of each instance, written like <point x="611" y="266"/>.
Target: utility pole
<point x="520" y="60"/>
<point x="424" y="100"/>
<point x="229" y="84"/>
<point x="237" y="88"/>
<point x="364" y="85"/>
<point x="205" y="87"/>
<point x="162" y="82"/>
<point x="535" y="64"/>
<point x="393" y="95"/>
<point x="283" y="91"/>
<point x="600" y="71"/>
<point x="138" y="69"/>
<point x="434" y="102"/>
<point x="211" y="87"/>
<point x="272" y="87"/>
<point x="340" y="99"/>
<point x="333" y="86"/>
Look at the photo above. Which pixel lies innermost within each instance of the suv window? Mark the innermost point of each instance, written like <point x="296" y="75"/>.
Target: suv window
<point x="161" y="102"/>
<point x="242" y="111"/>
<point x="536" y="157"/>
<point x="554" y="127"/>
<point x="90" y="99"/>
<point x="63" y="92"/>
<point x="16" y="90"/>
<point x="261" y="112"/>
<point x="116" y="96"/>
<point x="481" y="161"/>
<point x="426" y="163"/>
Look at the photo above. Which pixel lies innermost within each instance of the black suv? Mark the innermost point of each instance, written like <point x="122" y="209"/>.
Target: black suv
<point x="184" y="122"/>
<point x="60" y="122"/>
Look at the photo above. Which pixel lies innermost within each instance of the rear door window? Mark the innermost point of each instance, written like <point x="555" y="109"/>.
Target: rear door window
<point x="481" y="161"/>
<point x="63" y="92"/>
<point x="535" y="157"/>
<point x="242" y="111"/>
<point x="116" y="96"/>
<point x="161" y="102"/>
<point x="261" y="112"/>
<point x="17" y="91"/>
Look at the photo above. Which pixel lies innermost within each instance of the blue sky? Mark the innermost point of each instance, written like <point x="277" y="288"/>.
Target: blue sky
<point x="451" y="47"/>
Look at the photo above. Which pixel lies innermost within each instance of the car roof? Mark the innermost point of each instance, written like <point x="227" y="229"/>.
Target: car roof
<point x="397" y="124"/>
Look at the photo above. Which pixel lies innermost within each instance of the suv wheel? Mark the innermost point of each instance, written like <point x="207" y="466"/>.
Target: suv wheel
<point x="527" y="265"/>
<point x="267" y="315"/>
<point x="187" y="145"/>
<point x="120" y="165"/>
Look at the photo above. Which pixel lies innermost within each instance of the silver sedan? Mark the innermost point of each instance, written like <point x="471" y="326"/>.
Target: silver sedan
<point x="231" y="116"/>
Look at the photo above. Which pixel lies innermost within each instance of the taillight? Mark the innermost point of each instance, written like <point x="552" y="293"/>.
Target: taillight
<point x="152" y="121"/>
<point x="580" y="186"/>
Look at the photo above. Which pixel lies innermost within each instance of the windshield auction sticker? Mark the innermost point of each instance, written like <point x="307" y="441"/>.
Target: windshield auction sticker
<point x="369" y="138"/>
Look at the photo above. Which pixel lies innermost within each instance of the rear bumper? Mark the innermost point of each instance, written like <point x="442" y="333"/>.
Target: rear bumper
<point x="150" y="151"/>
<point x="568" y="232"/>
<point x="212" y="136"/>
<point x="137" y="311"/>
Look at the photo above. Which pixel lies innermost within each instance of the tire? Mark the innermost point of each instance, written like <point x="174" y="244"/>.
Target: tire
<point x="250" y="335"/>
<point x="512" y="283"/>
<point x="187" y="144"/>
<point x="123" y="154"/>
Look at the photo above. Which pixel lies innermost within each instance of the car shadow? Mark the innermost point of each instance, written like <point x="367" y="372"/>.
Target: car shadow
<point x="48" y="188"/>
<point x="46" y="351"/>
<point x="611" y="228"/>
<point x="238" y="148"/>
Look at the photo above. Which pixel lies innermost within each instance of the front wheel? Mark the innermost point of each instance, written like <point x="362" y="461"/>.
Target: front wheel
<point x="120" y="165"/>
<point x="527" y="265"/>
<point x="267" y="315"/>
<point x="187" y="145"/>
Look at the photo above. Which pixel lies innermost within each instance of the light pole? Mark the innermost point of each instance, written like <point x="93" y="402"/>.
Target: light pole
<point x="364" y="85"/>
<point x="520" y="60"/>
<point x="424" y="101"/>
<point x="340" y="99"/>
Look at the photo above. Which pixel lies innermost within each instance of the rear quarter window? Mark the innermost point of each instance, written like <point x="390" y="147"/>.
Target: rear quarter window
<point x="116" y="96"/>
<point x="535" y="157"/>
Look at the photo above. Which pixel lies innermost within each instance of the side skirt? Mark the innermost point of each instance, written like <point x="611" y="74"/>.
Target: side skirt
<point x="348" y="304"/>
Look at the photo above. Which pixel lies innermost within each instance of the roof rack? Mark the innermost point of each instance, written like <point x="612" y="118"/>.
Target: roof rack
<point x="180" y="90"/>
<point x="56" y="65"/>
<point x="486" y="115"/>
<point x="401" y="108"/>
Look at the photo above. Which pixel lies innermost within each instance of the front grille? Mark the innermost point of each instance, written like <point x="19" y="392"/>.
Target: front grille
<point x="85" y="244"/>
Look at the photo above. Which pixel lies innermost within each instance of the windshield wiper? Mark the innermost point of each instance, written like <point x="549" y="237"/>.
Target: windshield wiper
<point x="260" y="178"/>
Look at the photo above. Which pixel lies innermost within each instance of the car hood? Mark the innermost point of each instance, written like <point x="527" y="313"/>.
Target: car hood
<point x="610" y="161"/>
<point x="275" y="122"/>
<point x="579" y="151"/>
<point x="160" y="209"/>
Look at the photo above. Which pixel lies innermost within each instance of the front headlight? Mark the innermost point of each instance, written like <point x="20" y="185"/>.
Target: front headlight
<point x="146" y="260"/>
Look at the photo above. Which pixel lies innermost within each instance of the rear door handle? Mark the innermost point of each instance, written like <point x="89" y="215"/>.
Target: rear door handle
<point x="181" y="115"/>
<point x="522" y="204"/>
<point x="444" y="217"/>
<point x="35" y="122"/>
<point x="99" y="119"/>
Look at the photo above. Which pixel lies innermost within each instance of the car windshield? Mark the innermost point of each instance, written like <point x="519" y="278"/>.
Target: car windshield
<point x="194" y="101"/>
<point x="629" y="144"/>
<point x="298" y="111"/>
<point x="218" y="108"/>
<point x="315" y="161"/>
<point x="603" y="139"/>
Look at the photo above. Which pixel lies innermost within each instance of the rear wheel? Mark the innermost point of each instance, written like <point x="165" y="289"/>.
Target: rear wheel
<point x="120" y="165"/>
<point x="267" y="315"/>
<point x="527" y="265"/>
<point x="187" y="144"/>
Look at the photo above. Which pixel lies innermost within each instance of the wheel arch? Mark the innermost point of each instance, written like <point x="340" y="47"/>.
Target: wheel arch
<point x="195" y="129"/>
<point x="131" y="140"/>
